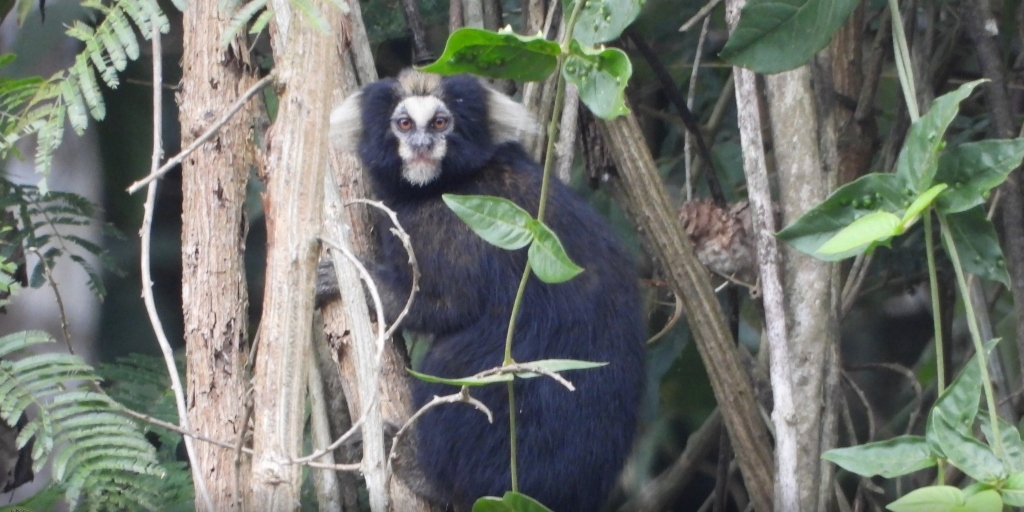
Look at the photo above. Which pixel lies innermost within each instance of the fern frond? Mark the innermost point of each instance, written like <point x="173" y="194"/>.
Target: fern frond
<point x="95" y="50"/>
<point x="98" y="449"/>
<point x="43" y="222"/>
<point x="240" y="19"/>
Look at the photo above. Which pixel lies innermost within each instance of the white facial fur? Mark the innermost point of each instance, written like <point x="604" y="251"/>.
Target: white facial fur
<point x="422" y="147"/>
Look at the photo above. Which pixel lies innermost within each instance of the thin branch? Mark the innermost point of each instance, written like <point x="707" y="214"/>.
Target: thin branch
<point x="462" y="396"/>
<point x="675" y="96"/>
<point x="403" y="237"/>
<point x="691" y="93"/>
<point x="56" y="293"/>
<point x="157" y="173"/>
<point x="701" y="14"/>
<point x="184" y="432"/>
<point x="147" y="280"/>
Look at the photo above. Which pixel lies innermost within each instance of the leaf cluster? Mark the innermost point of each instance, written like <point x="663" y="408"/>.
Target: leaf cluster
<point x="99" y="456"/>
<point x="949" y="437"/>
<point x="41" y="106"/>
<point x="600" y="74"/>
<point x="955" y="182"/>
<point x="44" y="221"/>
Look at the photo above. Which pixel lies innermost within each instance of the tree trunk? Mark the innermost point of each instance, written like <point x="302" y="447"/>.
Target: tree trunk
<point x="213" y="240"/>
<point x="295" y="165"/>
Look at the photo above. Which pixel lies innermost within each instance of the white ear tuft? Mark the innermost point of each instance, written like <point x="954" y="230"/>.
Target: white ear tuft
<point x="347" y="123"/>
<point x="509" y="119"/>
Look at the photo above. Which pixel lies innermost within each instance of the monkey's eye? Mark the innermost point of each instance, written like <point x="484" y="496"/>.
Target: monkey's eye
<point x="404" y="123"/>
<point x="440" y="123"/>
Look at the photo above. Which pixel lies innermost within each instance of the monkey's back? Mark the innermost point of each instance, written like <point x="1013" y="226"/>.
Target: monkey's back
<point x="571" y="445"/>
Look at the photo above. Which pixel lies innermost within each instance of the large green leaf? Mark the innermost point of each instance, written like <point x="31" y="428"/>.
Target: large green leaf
<point x="510" y="502"/>
<point x="965" y="452"/>
<point x="977" y="245"/>
<point x="919" y="158"/>
<point x="971" y="170"/>
<point x="497" y="220"/>
<point x="850" y="202"/>
<point x="601" y="20"/>
<point x="891" y="458"/>
<point x="548" y="258"/>
<point x="600" y="76"/>
<point x="778" y="35"/>
<point x="502" y="54"/>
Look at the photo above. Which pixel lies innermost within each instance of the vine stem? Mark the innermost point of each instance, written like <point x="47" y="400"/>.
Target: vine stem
<point x="549" y="163"/>
<point x="904" y="68"/>
<point x="940" y="356"/>
<point x="972" y="325"/>
<point x="933" y="283"/>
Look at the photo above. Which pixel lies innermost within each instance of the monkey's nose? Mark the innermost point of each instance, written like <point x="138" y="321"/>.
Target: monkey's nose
<point x="421" y="142"/>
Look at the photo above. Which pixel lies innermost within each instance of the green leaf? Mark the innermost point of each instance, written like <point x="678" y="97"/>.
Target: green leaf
<point x="984" y="501"/>
<point x="870" y="193"/>
<point x="548" y="258"/>
<point x="965" y="452"/>
<point x="920" y="204"/>
<point x="523" y="503"/>
<point x="1013" y="490"/>
<point x="877" y="226"/>
<point x="502" y="54"/>
<point x="936" y="498"/>
<point x="779" y="35"/>
<point x="551" y="365"/>
<point x="471" y="381"/>
<point x="510" y="502"/>
<point x="1013" y="448"/>
<point x="601" y="20"/>
<point x="918" y="160"/>
<point x="601" y="77"/>
<point x="892" y="458"/>
<point x="497" y="220"/>
<point x="559" y="365"/>
<point x="490" y="504"/>
<point x="971" y="170"/>
<point x="977" y="244"/>
<point x="960" y="400"/>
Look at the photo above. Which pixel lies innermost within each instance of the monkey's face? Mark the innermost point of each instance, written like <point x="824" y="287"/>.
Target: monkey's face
<point x="421" y="124"/>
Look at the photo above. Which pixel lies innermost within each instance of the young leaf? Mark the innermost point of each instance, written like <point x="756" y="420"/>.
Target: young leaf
<point x="936" y="498"/>
<point x="502" y="54"/>
<point x="601" y="20"/>
<point x="497" y="220"/>
<point x="984" y="501"/>
<point x="870" y="193"/>
<point x="1013" y="490"/>
<point x="548" y="258"/>
<point x="977" y="245"/>
<point x="877" y="226"/>
<point x="920" y="204"/>
<point x="918" y="160"/>
<point x="779" y="35"/>
<point x="971" y="170"/>
<point x="892" y="458"/>
<point x="601" y="77"/>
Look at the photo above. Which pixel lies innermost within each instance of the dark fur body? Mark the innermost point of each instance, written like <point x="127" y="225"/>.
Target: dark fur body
<point x="571" y="445"/>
